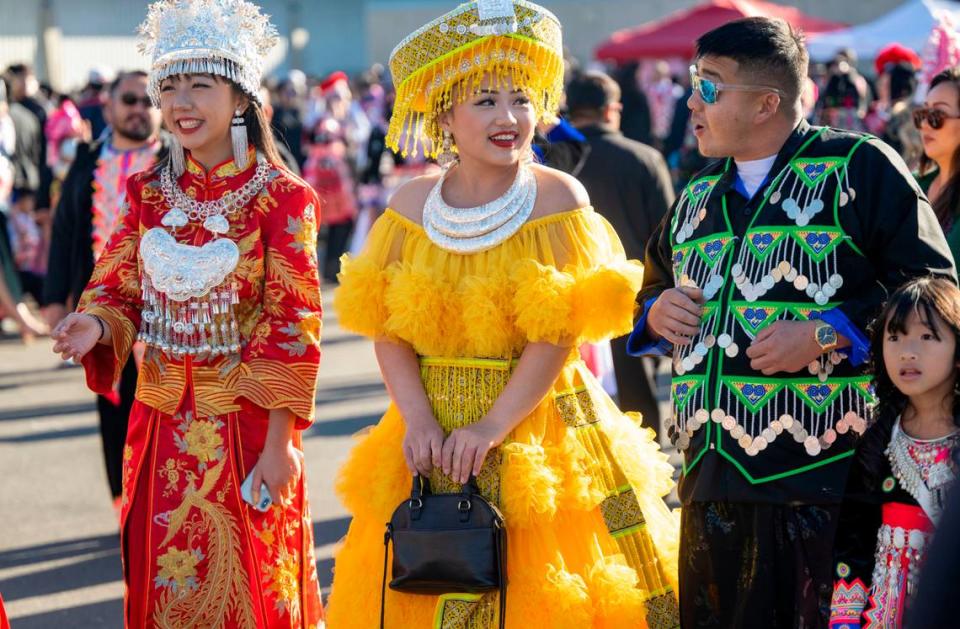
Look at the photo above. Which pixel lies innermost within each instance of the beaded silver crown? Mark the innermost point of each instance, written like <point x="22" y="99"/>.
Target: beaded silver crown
<point x="228" y="38"/>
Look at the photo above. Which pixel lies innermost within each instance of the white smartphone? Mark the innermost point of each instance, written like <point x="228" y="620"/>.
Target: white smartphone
<point x="246" y="492"/>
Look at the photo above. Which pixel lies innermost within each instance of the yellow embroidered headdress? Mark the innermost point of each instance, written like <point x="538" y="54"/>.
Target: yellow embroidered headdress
<point x="511" y="39"/>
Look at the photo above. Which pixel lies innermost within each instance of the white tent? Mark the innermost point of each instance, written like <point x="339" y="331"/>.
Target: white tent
<point x="909" y="24"/>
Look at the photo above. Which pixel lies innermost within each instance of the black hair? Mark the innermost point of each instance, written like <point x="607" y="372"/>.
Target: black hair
<point x="903" y="80"/>
<point x="930" y="298"/>
<point x="19" y="69"/>
<point x="123" y="76"/>
<point x="948" y="200"/>
<point x="588" y="93"/>
<point x="768" y="49"/>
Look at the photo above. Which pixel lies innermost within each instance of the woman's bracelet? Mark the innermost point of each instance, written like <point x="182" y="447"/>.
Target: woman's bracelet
<point x="103" y="328"/>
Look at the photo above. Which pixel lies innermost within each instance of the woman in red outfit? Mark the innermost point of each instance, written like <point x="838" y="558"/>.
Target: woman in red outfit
<point x="214" y="268"/>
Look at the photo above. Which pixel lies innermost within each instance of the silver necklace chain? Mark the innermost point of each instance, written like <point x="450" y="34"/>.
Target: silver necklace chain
<point x="226" y="205"/>
<point x="471" y="230"/>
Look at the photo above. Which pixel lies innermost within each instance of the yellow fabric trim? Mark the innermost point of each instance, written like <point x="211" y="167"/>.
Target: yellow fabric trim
<point x="271" y="384"/>
<point x="462" y="612"/>
<point x="122" y="334"/>
<point x="162" y="387"/>
<point x="479" y="363"/>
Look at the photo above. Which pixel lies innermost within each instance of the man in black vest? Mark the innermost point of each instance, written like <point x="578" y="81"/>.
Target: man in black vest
<point x="90" y="205"/>
<point x="629" y="184"/>
<point x="761" y="282"/>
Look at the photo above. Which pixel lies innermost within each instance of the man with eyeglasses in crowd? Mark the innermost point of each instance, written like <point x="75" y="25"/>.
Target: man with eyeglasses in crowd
<point x="761" y="282"/>
<point x="92" y="198"/>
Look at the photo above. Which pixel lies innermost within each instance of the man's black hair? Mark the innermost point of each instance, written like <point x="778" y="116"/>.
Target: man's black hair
<point x="768" y="50"/>
<point x="588" y="93"/>
<point x="19" y="69"/>
<point x="123" y="76"/>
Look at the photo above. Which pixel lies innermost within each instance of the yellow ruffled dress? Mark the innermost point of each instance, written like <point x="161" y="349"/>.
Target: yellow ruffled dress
<point x="591" y="543"/>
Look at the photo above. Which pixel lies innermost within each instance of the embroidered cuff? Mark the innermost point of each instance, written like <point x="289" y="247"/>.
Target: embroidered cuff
<point x="846" y="606"/>
<point x="859" y="350"/>
<point x="639" y="343"/>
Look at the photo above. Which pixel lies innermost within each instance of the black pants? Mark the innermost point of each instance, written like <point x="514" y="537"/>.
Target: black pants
<point x="749" y="565"/>
<point x="338" y="236"/>
<point x="113" y="426"/>
<point x="636" y="387"/>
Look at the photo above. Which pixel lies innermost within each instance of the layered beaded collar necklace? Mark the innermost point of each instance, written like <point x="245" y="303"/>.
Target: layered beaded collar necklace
<point x="476" y="229"/>
<point x="184" y="208"/>
<point x="924" y="467"/>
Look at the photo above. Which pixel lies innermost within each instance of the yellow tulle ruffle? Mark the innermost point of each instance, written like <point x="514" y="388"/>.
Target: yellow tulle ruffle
<point x="561" y="279"/>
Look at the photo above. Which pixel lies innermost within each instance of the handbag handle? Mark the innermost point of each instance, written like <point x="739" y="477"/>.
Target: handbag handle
<point x="421" y="487"/>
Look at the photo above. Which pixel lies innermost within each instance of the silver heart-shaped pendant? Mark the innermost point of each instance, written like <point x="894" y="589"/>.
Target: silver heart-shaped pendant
<point x="175" y="218"/>
<point x="216" y="224"/>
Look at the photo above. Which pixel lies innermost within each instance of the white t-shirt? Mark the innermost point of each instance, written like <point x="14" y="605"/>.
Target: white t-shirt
<point x="753" y="173"/>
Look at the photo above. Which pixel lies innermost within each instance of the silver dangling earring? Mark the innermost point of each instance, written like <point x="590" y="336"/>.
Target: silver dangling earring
<point x="177" y="160"/>
<point x="238" y="134"/>
<point x="447" y="156"/>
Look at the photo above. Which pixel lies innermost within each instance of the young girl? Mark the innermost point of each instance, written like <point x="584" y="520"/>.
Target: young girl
<point x="904" y="464"/>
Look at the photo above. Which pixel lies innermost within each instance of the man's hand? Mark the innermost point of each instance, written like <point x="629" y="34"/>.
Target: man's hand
<point x="784" y="346"/>
<point x="676" y="315"/>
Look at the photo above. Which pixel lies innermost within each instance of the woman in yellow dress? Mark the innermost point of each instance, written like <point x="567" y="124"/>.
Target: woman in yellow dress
<point x="477" y="285"/>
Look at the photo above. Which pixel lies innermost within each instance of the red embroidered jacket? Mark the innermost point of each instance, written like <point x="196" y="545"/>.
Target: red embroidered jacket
<point x="279" y="310"/>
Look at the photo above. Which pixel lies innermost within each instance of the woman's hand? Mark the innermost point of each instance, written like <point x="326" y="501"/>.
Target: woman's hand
<point x="422" y="445"/>
<point x="280" y="468"/>
<point x="467" y="447"/>
<point x="76" y="335"/>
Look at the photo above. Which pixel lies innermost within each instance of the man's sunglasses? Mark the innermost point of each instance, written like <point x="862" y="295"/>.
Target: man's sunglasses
<point x="934" y="117"/>
<point x="709" y="89"/>
<point x="132" y="99"/>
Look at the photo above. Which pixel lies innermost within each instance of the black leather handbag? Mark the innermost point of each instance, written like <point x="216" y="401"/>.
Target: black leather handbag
<point x="445" y="543"/>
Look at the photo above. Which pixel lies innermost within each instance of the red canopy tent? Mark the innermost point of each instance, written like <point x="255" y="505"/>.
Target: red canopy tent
<point x="675" y="34"/>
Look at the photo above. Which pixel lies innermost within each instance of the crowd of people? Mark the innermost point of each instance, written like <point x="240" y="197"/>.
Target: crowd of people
<point x="797" y="229"/>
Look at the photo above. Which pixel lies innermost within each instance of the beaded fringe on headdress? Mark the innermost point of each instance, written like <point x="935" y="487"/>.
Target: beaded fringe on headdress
<point x="218" y="66"/>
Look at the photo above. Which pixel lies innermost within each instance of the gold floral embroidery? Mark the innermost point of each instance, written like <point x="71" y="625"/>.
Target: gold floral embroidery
<point x="285" y="583"/>
<point x="178" y="569"/>
<point x="224" y="590"/>
<point x="281" y="566"/>
<point x="170" y="472"/>
<point x="203" y="440"/>
<point x="306" y="331"/>
<point x="304" y="232"/>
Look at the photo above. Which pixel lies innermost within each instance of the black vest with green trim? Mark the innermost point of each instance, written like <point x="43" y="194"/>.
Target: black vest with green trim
<point x="793" y="261"/>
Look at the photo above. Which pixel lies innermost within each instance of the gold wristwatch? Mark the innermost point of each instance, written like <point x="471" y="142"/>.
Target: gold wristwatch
<point x="825" y="335"/>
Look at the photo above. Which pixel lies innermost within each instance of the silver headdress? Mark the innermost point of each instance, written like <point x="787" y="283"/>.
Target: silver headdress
<point x="228" y="38"/>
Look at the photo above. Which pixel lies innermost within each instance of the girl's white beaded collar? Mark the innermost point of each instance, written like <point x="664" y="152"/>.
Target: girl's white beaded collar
<point x="476" y="229"/>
